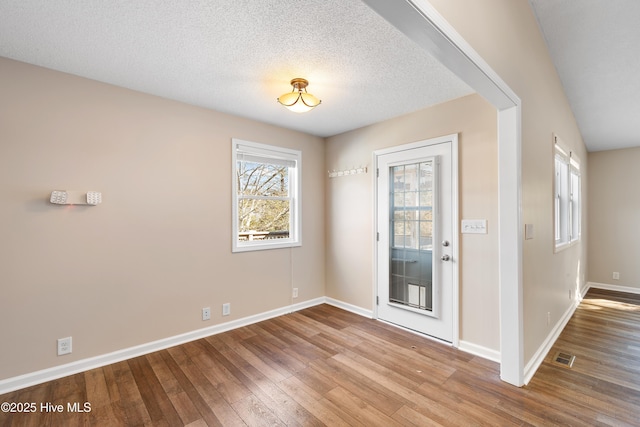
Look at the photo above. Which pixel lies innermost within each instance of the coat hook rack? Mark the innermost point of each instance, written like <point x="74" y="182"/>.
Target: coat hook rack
<point x="353" y="171"/>
<point x="66" y="197"/>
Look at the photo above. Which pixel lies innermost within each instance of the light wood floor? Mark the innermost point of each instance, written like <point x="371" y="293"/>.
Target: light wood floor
<point x="325" y="366"/>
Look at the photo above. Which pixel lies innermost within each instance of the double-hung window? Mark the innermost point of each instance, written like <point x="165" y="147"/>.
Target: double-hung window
<point x="567" y="196"/>
<point x="266" y="196"/>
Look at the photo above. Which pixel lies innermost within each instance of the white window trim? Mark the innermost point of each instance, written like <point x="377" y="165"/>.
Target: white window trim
<point x="295" y="182"/>
<point x="564" y="216"/>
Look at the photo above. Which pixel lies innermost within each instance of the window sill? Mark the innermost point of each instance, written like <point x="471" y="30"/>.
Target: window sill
<point x="264" y="246"/>
<point x="561" y="247"/>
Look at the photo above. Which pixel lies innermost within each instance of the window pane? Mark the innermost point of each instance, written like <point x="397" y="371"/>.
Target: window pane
<point x="411" y="177"/>
<point x="397" y="174"/>
<point x="566" y="198"/>
<point x="263" y="219"/>
<point x="399" y="236"/>
<point x="262" y="179"/>
<point x="575" y="206"/>
<point x="426" y="235"/>
<point x="561" y="205"/>
<point x="426" y="176"/>
<point x="266" y="207"/>
<point x="411" y="243"/>
<point x="411" y="231"/>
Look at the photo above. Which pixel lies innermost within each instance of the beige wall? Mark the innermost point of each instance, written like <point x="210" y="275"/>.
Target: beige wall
<point x="506" y="35"/>
<point x="614" y="209"/>
<point x="350" y="226"/>
<point x="140" y="266"/>
<point x="158" y="249"/>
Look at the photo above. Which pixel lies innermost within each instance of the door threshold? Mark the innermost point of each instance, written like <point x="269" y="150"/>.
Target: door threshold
<point x="421" y="334"/>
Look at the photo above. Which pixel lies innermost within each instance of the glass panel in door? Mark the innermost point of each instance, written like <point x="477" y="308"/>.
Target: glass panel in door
<point x="411" y="209"/>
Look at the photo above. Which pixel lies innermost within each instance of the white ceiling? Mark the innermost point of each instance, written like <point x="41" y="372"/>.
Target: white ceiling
<point x="236" y="56"/>
<point x="594" y="45"/>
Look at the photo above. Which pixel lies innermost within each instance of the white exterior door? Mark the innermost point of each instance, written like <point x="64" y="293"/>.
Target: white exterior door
<point x="417" y="237"/>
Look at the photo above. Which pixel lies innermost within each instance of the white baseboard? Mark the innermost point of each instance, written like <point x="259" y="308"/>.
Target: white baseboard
<point x="349" y="307"/>
<point x="537" y="359"/>
<point x="465" y="346"/>
<point x="38" y="377"/>
<point x="583" y="291"/>
<point x="478" y="350"/>
<point x="609" y="287"/>
<point x="306" y="304"/>
<point x="535" y="362"/>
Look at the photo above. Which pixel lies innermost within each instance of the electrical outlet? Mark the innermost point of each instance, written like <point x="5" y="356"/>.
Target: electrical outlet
<point x="64" y="346"/>
<point x="616" y="275"/>
<point x="295" y="292"/>
<point x="570" y="294"/>
<point x="226" y="309"/>
<point x="206" y="313"/>
<point x="548" y="318"/>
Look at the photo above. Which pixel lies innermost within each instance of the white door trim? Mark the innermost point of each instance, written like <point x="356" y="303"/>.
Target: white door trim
<point x="455" y="236"/>
<point x="422" y="23"/>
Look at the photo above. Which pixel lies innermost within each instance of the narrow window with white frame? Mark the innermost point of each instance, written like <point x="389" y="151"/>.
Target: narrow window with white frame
<point x="567" y="196"/>
<point x="266" y="196"/>
<point x="575" y="203"/>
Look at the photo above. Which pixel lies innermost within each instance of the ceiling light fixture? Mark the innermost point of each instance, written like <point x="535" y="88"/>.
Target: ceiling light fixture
<point x="299" y="100"/>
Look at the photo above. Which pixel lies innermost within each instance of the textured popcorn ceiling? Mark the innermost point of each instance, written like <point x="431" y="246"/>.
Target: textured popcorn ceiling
<point x="595" y="46"/>
<point x="236" y="56"/>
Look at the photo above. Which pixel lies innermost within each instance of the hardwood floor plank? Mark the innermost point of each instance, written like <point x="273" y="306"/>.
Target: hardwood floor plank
<point x="362" y="411"/>
<point x="105" y="408"/>
<point x="255" y="413"/>
<point x="314" y="402"/>
<point x="406" y="360"/>
<point x="589" y="398"/>
<point x="170" y="384"/>
<point x="106" y="416"/>
<point x="359" y="385"/>
<point x="274" y="356"/>
<point x="339" y="336"/>
<point x="333" y="317"/>
<point x="97" y="390"/>
<point x="242" y="353"/>
<point x="477" y="412"/>
<point x="133" y="405"/>
<point x="326" y="366"/>
<point x="116" y="407"/>
<point x="36" y="394"/>
<point x="223" y="380"/>
<point x="264" y="336"/>
<point x="276" y="328"/>
<point x="285" y="408"/>
<point x="190" y="405"/>
<point x="221" y="412"/>
<point x="367" y="365"/>
<point x="316" y="380"/>
<point x="408" y="417"/>
<point x="299" y="325"/>
<point x="405" y="396"/>
<point x="68" y="390"/>
<point x="157" y="402"/>
<point x="186" y="409"/>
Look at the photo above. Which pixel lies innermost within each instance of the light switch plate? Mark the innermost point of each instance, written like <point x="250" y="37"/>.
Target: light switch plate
<point x="528" y="231"/>
<point x="474" y="226"/>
